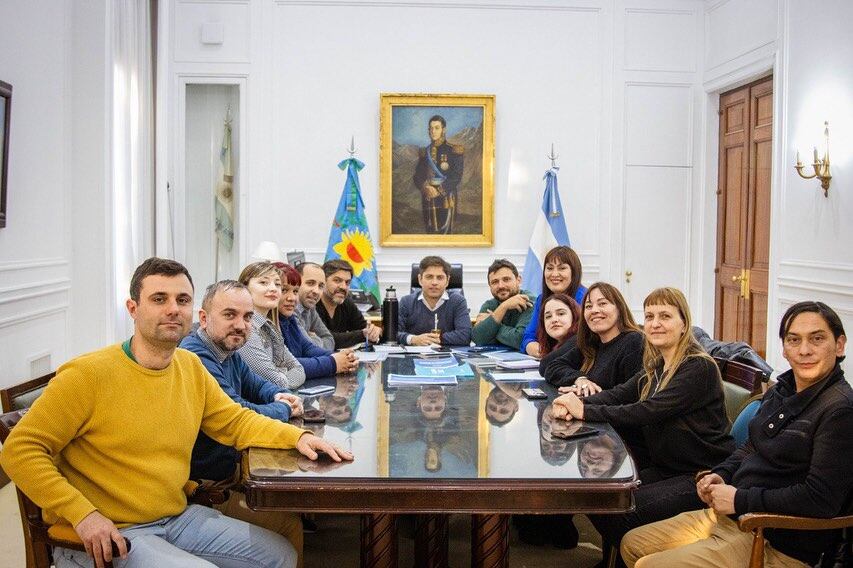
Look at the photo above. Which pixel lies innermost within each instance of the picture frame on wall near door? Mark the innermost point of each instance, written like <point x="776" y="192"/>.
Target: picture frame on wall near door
<point x="436" y="169"/>
<point x="5" y="116"/>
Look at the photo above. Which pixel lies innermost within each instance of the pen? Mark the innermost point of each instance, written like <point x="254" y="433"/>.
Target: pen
<point x="435" y="326"/>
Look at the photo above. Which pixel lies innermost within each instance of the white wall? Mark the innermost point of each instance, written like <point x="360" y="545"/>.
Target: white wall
<point x="35" y="268"/>
<point x="563" y="71"/>
<point x="53" y="252"/>
<point x="808" y="48"/>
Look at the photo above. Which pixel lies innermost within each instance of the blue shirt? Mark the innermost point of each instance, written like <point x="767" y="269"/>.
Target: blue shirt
<point x="530" y="332"/>
<point x="210" y="459"/>
<point x="318" y="362"/>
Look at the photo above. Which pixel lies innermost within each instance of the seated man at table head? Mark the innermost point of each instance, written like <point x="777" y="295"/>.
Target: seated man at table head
<point x="106" y="448"/>
<point x="796" y="461"/>
<point x="339" y="312"/>
<point x="504" y="317"/>
<point x="310" y="291"/>
<point x="225" y="321"/>
<point x="432" y="316"/>
<point x="316" y="361"/>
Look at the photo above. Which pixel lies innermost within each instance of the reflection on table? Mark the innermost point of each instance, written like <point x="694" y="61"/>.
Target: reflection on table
<point x="477" y="446"/>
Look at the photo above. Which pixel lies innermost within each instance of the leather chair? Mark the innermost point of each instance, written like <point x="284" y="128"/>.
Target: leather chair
<point x="453" y="287"/>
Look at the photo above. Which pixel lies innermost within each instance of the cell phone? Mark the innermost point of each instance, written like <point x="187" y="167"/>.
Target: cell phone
<point x="313" y="415"/>
<point x="315" y="390"/>
<point x="581" y="432"/>
<point x="443" y="349"/>
<point x="534" y="393"/>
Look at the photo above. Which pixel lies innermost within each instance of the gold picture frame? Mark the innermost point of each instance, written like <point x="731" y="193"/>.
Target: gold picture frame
<point x="436" y="170"/>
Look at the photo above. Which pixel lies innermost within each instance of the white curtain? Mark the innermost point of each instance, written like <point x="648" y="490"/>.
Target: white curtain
<point x="132" y="148"/>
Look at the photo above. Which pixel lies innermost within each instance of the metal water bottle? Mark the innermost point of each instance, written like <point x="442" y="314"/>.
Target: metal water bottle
<point x="390" y="309"/>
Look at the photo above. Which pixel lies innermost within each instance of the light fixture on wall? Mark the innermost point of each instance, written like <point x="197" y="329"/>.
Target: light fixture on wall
<point x="821" y="167"/>
<point x="268" y="250"/>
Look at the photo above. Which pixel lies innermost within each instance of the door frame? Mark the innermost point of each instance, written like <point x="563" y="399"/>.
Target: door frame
<point x="705" y="244"/>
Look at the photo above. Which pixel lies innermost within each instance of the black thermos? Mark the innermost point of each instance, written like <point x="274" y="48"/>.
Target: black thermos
<point x="390" y="308"/>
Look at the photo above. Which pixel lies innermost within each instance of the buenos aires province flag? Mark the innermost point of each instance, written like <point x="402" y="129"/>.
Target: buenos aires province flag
<point x="550" y="231"/>
<point x="349" y="238"/>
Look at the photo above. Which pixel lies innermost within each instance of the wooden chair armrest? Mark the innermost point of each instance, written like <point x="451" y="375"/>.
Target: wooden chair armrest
<point x="751" y="521"/>
<point x="64" y="535"/>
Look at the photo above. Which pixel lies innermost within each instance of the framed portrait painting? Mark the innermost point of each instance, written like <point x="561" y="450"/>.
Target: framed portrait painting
<point x="436" y="170"/>
<point x="5" y="111"/>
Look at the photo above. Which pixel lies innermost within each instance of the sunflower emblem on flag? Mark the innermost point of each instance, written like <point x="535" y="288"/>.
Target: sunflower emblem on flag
<point x="355" y="247"/>
<point x="349" y="238"/>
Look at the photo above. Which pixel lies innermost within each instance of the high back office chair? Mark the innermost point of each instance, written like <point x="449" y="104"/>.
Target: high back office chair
<point x="454" y="286"/>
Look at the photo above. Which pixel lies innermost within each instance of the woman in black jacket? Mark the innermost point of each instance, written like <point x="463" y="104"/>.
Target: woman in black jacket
<point x="677" y="402"/>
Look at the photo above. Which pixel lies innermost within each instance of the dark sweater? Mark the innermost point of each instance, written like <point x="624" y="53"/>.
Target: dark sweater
<point x="317" y="361"/>
<point x="797" y="460"/>
<point x="684" y="424"/>
<point x="615" y="362"/>
<point x="453" y="319"/>
<point x="210" y="459"/>
<point x="346" y="325"/>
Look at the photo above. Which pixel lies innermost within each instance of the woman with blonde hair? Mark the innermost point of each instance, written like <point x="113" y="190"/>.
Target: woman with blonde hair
<point x="265" y="351"/>
<point x="677" y="402"/>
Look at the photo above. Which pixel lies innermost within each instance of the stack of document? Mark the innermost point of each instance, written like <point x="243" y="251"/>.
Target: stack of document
<point x="527" y="363"/>
<point x="525" y="377"/>
<point x="508" y="356"/>
<point x="389" y="348"/>
<point x="464" y="370"/>
<point x="416" y="380"/>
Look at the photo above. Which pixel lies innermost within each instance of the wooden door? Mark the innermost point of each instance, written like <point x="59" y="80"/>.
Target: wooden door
<point x="743" y="214"/>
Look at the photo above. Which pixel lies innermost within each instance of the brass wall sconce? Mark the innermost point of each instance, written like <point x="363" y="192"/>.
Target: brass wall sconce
<point x="821" y="167"/>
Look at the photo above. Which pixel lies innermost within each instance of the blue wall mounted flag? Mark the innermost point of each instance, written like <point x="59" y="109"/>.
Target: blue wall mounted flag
<point x="550" y="231"/>
<point x="350" y="236"/>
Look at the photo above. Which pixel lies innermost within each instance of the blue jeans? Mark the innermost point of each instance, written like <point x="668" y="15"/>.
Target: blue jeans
<point x="198" y="537"/>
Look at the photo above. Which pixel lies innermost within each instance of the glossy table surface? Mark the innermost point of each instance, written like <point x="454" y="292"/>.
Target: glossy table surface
<point x="477" y="446"/>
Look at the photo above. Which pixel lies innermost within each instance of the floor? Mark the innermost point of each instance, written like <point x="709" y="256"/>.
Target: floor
<point x="335" y="544"/>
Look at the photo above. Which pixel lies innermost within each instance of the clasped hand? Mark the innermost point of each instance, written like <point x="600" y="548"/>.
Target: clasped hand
<point x="291" y="400"/>
<point x="717" y="494"/>
<point x="568" y="406"/>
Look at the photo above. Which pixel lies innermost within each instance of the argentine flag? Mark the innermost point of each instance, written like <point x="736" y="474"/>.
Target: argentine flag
<point x="549" y="232"/>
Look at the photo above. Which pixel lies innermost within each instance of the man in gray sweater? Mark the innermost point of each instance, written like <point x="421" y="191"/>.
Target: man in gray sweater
<point x="432" y="316"/>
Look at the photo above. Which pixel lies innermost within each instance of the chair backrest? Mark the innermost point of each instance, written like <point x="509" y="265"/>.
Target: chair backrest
<point x="15" y="402"/>
<point x="454" y="286"/>
<point x="740" y="382"/>
<point x="740" y="425"/>
<point x="18" y="397"/>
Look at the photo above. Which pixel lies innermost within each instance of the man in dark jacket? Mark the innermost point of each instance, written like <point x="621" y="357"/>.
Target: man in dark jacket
<point x="795" y="462"/>
<point x="225" y="324"/>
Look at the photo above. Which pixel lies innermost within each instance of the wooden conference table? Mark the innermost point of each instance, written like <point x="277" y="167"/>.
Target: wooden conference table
<point x="478" y="447"/>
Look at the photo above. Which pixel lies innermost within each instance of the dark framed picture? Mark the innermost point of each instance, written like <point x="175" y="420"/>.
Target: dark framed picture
<point x="5" y="112"/>
<point x="436" y="169"/>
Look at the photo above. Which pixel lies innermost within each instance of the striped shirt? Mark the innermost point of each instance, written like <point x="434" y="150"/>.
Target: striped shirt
<point x="268" y="356"/>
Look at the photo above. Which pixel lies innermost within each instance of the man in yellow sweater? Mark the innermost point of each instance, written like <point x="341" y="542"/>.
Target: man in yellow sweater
<point x="107" y="447"/>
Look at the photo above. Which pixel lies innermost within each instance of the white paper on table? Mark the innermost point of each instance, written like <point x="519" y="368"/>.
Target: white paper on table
<point x="420" y="348"/>
<point x="398" y="380"/>
<point x="509" y="356"/>
<point x="389" y="349"/>
<point x="371" y="356"/>
<point x="517" y="377"/>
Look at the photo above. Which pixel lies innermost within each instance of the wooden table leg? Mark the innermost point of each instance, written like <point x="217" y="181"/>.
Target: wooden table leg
<point x="378" y="540"/>
<point x="431" y="539"/>
<point x="490" y="541"/>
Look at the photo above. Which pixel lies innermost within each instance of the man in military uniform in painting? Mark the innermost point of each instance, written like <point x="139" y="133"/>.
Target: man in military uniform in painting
<point x="437" y="177"/>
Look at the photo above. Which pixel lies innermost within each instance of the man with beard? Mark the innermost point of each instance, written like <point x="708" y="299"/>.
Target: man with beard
<point x="310" y="291"/>
<point x="339" y="312"/>
<point x="503" y="318"/>
<point x="224" y="325"/>
<point x="106" y="449"/>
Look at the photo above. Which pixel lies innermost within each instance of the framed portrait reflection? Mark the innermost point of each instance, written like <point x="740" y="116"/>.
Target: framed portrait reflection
<point x="436" y="169"/>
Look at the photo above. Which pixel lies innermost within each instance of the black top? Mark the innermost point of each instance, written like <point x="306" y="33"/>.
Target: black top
<point x="346" y="326"/>
<point x="684" y="424"/>
<point x="797" y="460"/>
<point x="616" y="361"/>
